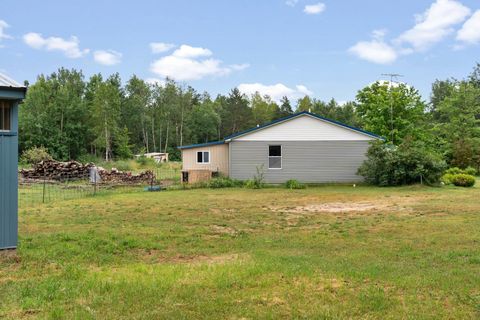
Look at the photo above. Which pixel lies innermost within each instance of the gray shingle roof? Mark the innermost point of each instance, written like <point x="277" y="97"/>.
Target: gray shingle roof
<point x="8" y="82"/>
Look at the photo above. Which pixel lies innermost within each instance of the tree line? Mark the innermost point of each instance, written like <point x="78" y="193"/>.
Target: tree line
<point x="78" y="118"/>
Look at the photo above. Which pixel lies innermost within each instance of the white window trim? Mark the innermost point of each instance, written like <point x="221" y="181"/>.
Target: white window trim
<point x="196" y="156"/>
<point x="281" y="157"/>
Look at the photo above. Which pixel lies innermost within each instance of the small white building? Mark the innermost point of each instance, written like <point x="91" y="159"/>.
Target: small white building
<point x="159" y="157"/>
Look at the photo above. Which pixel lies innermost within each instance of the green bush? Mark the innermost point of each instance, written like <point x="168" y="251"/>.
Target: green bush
<point x="294" y="184"/>
<point x="470" y="171"/>
<point x="463" y="180"/>
<point x="224" y="182"/>
<point x="258" y="179"/>
<point x="447" y="178"/>
<point x="146" y="162"/>
<point x="251" y="184"/>
<point x="35" y="155"/>
<point x="409" y="163"/>
<point x="454" y="170"/>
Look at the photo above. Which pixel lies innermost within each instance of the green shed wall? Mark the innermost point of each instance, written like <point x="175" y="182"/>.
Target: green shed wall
<point x="9" y="184"/>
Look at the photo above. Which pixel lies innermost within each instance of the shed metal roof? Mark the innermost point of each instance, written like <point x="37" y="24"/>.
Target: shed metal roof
<point x="9" y="82"/>
<point x="236" y="135"/>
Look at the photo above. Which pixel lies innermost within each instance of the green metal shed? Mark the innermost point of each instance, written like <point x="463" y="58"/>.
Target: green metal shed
<point x="11" y="94"/>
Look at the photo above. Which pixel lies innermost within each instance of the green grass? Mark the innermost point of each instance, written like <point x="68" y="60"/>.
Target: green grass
<point x="239" y="253"/>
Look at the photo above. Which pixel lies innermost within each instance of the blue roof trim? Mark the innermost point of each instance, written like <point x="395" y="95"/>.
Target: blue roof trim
<point x="299" y="114"/>
<point x="199" y="145"/>
<point x="235" y="135"/>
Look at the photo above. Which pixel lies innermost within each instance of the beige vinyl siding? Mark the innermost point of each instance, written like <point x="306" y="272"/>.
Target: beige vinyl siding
<point x="218" y="159"/>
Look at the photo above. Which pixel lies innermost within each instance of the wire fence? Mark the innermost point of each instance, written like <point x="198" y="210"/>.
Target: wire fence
<point x="33" y="192"/>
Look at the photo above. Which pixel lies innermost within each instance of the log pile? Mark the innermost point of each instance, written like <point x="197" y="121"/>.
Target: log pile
<point x="116" y="176"/>
<point x="55" y="170"/>
<point x="73" y="170"/>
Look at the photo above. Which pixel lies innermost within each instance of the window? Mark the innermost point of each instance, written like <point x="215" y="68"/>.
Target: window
<point x="203" y="157"/>
<point x="5" y="108"/>
<point x="275" y="157"/>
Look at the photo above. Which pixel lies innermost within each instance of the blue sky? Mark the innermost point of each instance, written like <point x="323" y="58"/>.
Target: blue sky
<point x="323" y="48"/>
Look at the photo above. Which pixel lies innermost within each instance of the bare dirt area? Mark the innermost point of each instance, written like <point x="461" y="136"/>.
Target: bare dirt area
<point x="332" y="207"/>
<point x="157" y="256"/>
<point x="203" y="259"/>
<point x="401" y="205"/>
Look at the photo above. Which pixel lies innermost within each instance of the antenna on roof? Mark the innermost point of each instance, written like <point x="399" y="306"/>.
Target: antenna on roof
<point x="390" y="85"/>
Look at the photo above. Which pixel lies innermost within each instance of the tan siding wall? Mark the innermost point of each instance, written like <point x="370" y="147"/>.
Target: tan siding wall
<point x="218" y="159"/>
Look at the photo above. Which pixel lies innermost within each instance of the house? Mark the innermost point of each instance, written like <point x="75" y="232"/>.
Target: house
<point x="303" y="146"/>
<point x="11" y="93"/>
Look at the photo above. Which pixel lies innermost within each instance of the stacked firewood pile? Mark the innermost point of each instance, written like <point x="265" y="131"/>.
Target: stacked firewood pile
<point x="73" y="170"/>
<point x="55" y="170"/>
<point x="116" y="176"/>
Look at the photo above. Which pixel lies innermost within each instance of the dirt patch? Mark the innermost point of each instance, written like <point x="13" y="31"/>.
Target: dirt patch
<point x="156" y="256"/>
<point x="203" y="259"/>
<point x="333" y="207"/>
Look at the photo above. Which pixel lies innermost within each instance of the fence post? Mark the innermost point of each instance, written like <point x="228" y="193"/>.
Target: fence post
<point x="44" y="185"/>
<point x="95" y="181"/>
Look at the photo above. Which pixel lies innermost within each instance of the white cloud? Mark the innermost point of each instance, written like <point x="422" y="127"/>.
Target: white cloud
<point x="191" y="63"/>
<point x="160" y="47"/>
<point x="470" y="32"/>
<point x="107" y="57"/>
<point x="303" y="89"/>
<point x="434" y="24"/>
<point x="376" y="50"/>
<point x="291" y="3"/>
<point x="3" y="34"/>
<point x="276" y="91"/>
<point x="69" y="47"/>
<point x="315" y="8"/>
<point x="186" y="51"/>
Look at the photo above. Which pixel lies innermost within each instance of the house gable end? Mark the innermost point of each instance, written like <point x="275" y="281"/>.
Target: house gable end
<point x="305" y="127"/>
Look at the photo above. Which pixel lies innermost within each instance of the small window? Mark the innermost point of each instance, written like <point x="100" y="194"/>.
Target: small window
<point x="5" y="109"/>
<point x="203" y="157"/>
<point x="275" y="157"/>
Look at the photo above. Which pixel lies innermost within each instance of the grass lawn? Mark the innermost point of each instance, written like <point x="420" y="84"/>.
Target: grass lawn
<point x="329" y="252"/>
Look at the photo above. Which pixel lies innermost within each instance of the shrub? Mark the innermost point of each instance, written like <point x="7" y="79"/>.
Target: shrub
<point x="294" y="184"/>
<point x="463" y="180"/>
<point x="447" y="178"/>
<point x="409" y="163"/>
<point x="224" y="182"/>
<point x="250" y="184"/>
<point x="470" y="171"/>
<point x="35" y="155"/>
<point x="454" y="170"/>
<point x="146" y="162"/>
<point x="258" y="179"/>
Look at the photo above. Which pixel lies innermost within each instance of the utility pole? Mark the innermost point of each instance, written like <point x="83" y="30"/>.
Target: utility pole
<point x="392" y="77"/>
